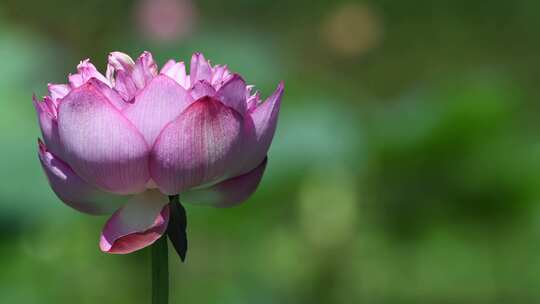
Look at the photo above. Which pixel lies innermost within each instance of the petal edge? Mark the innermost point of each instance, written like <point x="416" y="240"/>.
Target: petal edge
<point x="228" y="193"/>
<point x="138" y="224"/>
<point x="73" y="190"/>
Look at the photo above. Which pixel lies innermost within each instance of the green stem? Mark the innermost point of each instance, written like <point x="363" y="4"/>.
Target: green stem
<point x="160" y="272"/>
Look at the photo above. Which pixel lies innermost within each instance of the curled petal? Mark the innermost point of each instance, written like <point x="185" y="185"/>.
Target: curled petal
<point x="46" y="112"/>
<point x="156" y="105"/>
<point x="144" y="70"/>
<point x="136" y="225"/>
<point x="233" y="94"/>
<point x="119" y="71"/>
<point x="91" y="72"/>
<point x="228" y="193"/>
<point x="121" y="61"/>
<point x="264" y="121"/>
<point x="58" y="91"/>
<point x="200" y="146"/>
<point x="118" y="61"/>
<point x="177" y="72"/>
<point x="202" y="88"/>
<point x="100" y="144"/>
<point x="125" y="86"/>
<point x="73" y="190"/>
<point x="200" y="68"/>
<point x="85" y="71"/>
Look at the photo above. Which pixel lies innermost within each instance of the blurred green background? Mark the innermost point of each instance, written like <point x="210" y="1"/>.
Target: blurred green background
<point x="405" y="169"/>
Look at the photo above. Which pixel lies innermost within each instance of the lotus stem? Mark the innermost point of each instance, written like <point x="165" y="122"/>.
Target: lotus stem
<point x="160" y="271"/>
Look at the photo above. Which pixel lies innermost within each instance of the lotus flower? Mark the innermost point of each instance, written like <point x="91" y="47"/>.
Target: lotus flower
<point x="122" y="143"/>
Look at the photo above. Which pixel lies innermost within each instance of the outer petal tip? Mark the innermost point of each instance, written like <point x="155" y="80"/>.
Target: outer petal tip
<point x="265" y="115"/>
<point x="144" y="70"/>
<point x="200" y="68"/>
<point x="35" y="102"/>
<point x="281" y="85"/>
<point x="260" y="132"/>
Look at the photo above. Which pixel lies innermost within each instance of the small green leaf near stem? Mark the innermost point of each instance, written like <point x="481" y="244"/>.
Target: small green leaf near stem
<point x="176" y="231"/>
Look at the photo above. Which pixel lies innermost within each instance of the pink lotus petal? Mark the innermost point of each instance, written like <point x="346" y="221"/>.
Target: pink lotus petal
<point x="89" y="71"/>
<point x="113" y="96"/>
<point x="51" y="106"/>
<point x="100" y="144"/>
<point x="119" y="69"/>
<point x="202" y="88"/>
<point x="85" y="71"/>
<point x="233" y="94"/>
<point x="73" y="190"/>
<point x="156" y="105"/>
<point x="228" y="193"/>
<point x="220" y="75"/>
<point x="200" y="69"/>
<point x="75" y="80"/>
<point x="46" y="114"/>
<point x="125" y="86"/>
<point x="200" y="146"/>
<point x="253" y="101"/>
<point x="177" y="72"/>
<point x="144" y="71"/>
<point x="264" y="122"/>
<point x="118" y="61"/>
<point x="138" y="224"/>
<point x="58" y="91"/>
